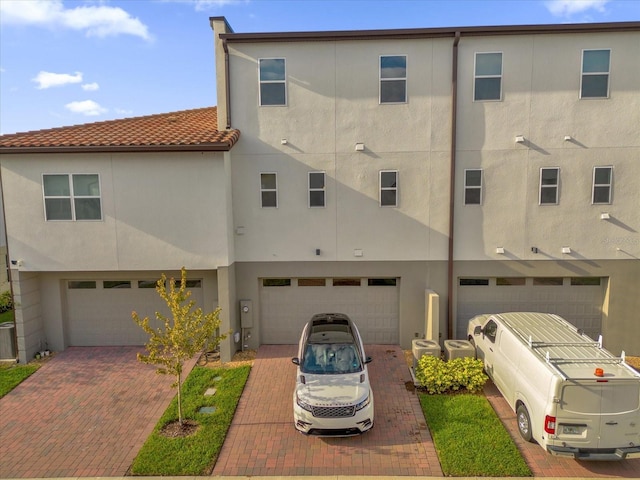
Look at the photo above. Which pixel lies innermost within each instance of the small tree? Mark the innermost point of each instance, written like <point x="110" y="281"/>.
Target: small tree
<point x="182" y="335"/>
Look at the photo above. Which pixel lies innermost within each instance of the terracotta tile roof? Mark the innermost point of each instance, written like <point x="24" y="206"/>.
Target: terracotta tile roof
<point x="195" y="129"/>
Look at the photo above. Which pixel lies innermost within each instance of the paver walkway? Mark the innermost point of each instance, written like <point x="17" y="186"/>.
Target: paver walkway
<point x="86" y="412"/>
<point x="263" y="441"/>
<point x="543" y="464"/>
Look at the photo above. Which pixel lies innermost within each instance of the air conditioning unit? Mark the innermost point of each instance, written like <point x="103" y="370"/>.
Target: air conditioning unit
<point x="458" y="349"/>
<point x="421" y="347"/>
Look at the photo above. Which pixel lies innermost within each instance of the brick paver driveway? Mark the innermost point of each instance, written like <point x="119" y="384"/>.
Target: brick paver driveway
<point x="85" y="413"/>
<point x="263" y="441"/>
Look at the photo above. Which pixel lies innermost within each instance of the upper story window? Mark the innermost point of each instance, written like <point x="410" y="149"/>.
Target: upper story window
<point x="388" y="188"/>
<point x="487" y="83"/>
<point x="316" y="189"/>
<point x="549" y="179"/>
<point x="269" y="190"/>
<point x="595" y="73"/>
<point x="273" y="84"/>
<point x="602" y="179"/>
<point x="72" y="196"/>
<point x="393" y="79"/>
<point x="473" y="187"/>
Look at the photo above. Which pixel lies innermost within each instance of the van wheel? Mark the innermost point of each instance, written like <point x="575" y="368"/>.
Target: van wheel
<point x="524" y="423"/>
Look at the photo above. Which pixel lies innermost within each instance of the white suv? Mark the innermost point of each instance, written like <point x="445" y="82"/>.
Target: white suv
<point x="332" y="395"/>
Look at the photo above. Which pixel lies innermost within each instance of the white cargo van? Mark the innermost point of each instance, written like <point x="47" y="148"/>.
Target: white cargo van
<point x="570" y="395"/>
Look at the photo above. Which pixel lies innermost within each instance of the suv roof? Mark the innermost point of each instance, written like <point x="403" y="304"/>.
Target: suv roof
<point x="331" y="328"/>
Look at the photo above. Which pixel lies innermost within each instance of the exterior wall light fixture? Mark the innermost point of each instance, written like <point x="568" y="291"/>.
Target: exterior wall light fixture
<point x="605" y="216"/>
<point x="566" y="249"/>
<point x="500" y="250"/>
<point x="359" y="147"/>
<point x="519" y="138"/>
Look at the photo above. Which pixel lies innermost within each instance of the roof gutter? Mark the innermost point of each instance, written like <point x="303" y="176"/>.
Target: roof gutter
<point x="452" y="181"/>
<point x="205" y="147"/>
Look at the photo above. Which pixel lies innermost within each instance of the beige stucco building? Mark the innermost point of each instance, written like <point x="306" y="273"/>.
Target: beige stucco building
<point x="408" y="178"/>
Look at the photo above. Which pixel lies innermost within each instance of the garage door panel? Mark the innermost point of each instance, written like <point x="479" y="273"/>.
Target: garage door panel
<point x="284" y="310"/>
<point x="102" y="316"/>
<point x="579" y="304"/>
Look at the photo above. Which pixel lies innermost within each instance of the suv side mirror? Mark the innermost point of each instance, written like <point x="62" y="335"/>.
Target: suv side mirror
<point x="368" y="360"/>
<point x="477" y="330"/>
<point x="295" y="361"/>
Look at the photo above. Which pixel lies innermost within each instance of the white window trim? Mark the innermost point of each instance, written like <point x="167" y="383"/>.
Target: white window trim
<point x="594" y="185"/>
<point x="405" y="78"/>
<point x="268" y="189"/>
<point x="475" y="59"/>
<point x="260" y="82"/>
<point x="582" y="73"/>
<point x="71" y="198"/>
<point x="556" y="186"/>
<point x="323" y="189"/>
<point x="381" y="189"/>
<point x="472" y="187"/>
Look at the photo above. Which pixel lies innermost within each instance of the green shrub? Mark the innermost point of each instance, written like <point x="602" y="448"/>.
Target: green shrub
<point x="437" y="376"/>
<point x="6" y="302"/>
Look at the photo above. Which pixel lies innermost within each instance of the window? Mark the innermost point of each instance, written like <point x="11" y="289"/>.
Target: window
<point x="487" y="84"/>
<point x="472" y="187"/>
<point x="346" y="282"/>
<point x="81" y="284"/>
<point x="316" y="189"/>
<point x="595" y="74"/>
<point x="147" y="283"/>
<point x="585" y="281"/>
<point x="602" y="184"/>
<point x="393" y="79"/>
<point x="549" y="186"/>
<point x="388" y="188"/>
<point x="72" y="197"/>
<point x="312" y="282"/>
<point x="474" y="282"/>
<point x="547" y="281"/>
<point x="273" y="86"/>
<point x="508" y="281"/>
<point x="269" y="190"/>
<point x="116" y="284"/>
<point x="276" y="282"/>
<point x="490" y="330"/>
<point x="382" y="282"/>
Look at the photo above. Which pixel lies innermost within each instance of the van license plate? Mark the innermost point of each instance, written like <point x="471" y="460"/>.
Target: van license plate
<point x="571" y="430"/>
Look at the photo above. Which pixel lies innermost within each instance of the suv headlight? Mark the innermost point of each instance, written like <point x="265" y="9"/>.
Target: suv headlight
<point x="302" y="404"/>
<point x="363" y="403"/>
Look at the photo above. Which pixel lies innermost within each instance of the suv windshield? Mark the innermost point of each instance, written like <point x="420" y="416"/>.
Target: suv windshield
<point x="330" y="358"/>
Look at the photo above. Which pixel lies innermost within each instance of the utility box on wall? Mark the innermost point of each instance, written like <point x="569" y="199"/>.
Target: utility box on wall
<point x="246" y="314"/>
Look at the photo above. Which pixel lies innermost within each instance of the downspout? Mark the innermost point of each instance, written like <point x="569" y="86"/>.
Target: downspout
<point x="452" y="182"/>
<point x="227" y="87"/>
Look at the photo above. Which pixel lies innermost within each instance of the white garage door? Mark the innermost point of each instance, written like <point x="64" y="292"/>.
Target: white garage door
<point x="99" y="311"/>
<point x="579" y="300"/>
<point x="287" y="304"/>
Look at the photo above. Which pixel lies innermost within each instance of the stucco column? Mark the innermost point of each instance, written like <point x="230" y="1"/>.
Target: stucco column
<point x="228" y="315"/>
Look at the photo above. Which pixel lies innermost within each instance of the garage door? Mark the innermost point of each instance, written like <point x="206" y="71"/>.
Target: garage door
<point x="99" y="311"/>
<point x="577" y="299"/>
<point x="287" y="304"/>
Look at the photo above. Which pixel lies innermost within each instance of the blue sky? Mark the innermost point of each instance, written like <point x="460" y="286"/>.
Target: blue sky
<point x="68" y="62"/>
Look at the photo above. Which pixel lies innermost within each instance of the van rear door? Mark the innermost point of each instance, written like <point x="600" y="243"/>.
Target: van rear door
<point x="599" y="414"/>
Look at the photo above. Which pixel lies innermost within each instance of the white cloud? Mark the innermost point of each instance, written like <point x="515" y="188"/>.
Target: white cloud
<point x="90" y="87"/>
<point x="122" y="111"/>
<point x="87" y="107"/>
<point x="48" y="79"/>
<point x="566" y="8"/>
<point x="94" y="20"/>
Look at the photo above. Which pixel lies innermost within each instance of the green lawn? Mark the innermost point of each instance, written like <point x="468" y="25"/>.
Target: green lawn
<point x="196" y="454"/>
<point x="6" y="316"/>
<point x="12" y="374"/>
<point x="469" y="437"/>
